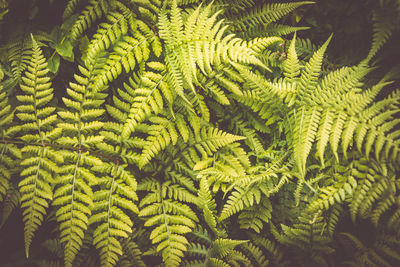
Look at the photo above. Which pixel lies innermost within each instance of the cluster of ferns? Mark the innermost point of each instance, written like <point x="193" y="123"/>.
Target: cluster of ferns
<point x="195" y="133"/>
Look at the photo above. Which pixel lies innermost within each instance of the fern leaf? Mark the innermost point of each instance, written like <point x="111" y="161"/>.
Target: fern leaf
<point x="8" y="152"/>
<point x="239" y="200"/>
<point x="309" y="75"/>
<point x="94" y="10"/>
<point x="147" y="99"/>
<point x="292" y="65"/>
<point x="171" y="220"/>
<point x="127" y="53"/>
<point x="266" y="14"/>
<point x="70" y="8"/>
<point x="116" y="194"/>
<point x="74" y="191"/>
<point x="305" y="133"/>
<point x="108" y="33"/>
<point x="39" y="160"/>
<point x="254" y="216"/>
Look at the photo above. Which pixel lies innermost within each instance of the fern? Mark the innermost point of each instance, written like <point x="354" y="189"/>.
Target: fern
<point x="380" y="253"/>
<point x="40" y="161"/>
<point x="249" y="23"/>
<point x="74" y="192"/>
<point x="9" y="151"/>
<point x="117" y="193"/>
<point x="94" y="10"/>
<point x="320" y="117"/>
<point x="20" y="52"/>
<point x="308" y="235"/>
<point x="9" y="203"/>
<point x="192" y="135"/>
<point x="182" y="58"/>
<point x="171" y="219"/>
<point x="70" y="8"/>
<point x="148" y="97"/>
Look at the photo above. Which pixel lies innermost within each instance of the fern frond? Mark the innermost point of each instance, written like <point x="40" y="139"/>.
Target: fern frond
<point x="253" y="217"/>
<point x="304" y="134"/>
<point x="291" y="66"/>
<point x="256" y="254"/>
<point x="274" y="251"/>
<point x="379" y="253"/>
<point x="20" y="52"/>
<point x="239" y="200"/>
<point x="74" y="191"/>
<point x="40" y="161"/>
<point x="308" y="234"/>
<point x="207" y="204"/>
<point x="8" y="151"/>
<point x="310" y="73"/>
<point x="375" y="184"/>
<point x="109" y="32"/>
<point x="199" y="42"/>
<point x="132" y="254"/>
<point x="171" y="219"/>
<point x="127" y="53"/>
<point x="148" y="97"/>
<point x="334" y="194"/>
<point x="161" y="133"/>
<point x="223" y="247"/>
<point x="382" y="30"/>
<point x="266" y="14"/>
<point x="116" y="194"/>
<point x="9" y="204"/>
<point x="94" y="10"/>
<point x="70" y="8"/>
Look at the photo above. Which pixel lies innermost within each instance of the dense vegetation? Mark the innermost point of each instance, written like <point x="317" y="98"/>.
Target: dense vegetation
<point x="199" y="133"/>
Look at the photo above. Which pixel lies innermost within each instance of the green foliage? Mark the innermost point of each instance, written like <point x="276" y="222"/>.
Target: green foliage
<point x="182" y="133"/>
<point x="39" y="160"/>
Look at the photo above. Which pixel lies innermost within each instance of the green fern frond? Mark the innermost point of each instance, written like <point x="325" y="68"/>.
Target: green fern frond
<point x="308" y="235"/>
<point x="199" y="42"/>
<point x="8" y="151"/>
<point x="305" y="48"/>
<point x="74" y="191"/>
<point x="292" y="66"/>
<point x="9" y="204"/>
<point x="148" y="97"/>
<point x="256" y="254"/>
<point x="223" y="247"/>
<point x="210" y="139"/>
<point x="207" y="204"/>
<point x="239" y="200"/>
<point x="171" y="219"/>
<point x="127" y="53"/>
<point x="382" y="252"/>
<point x="255" y="216"/>
<point x="116" y="194"/>
<point x="19" y="51"/>
<point x="109" y="32"/>
<point x="265" y="14"/>
<point x="375" y="183"/>
<point x="310" y="74"/>
<point x="162" y="132"/>
<point x="268" y="30"/>
<point x="333" y="110"/>
<point x="304" y="134"/>
<point x="70" y="8"/>
<point x="94" y="10"/>
<point x="336" y="193"/>
<point x="273" y="250"/>
<point x="132" y="254"/>
<point x="40" y="161"/>
<point x="382" y="30"/>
